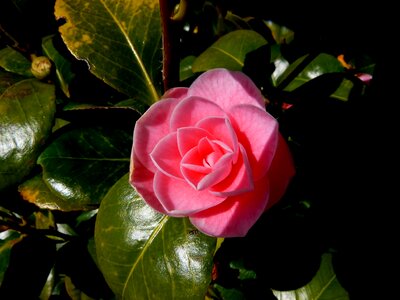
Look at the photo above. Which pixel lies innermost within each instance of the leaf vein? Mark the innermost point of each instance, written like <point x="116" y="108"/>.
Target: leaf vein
<point x="146" y="245"/>
<point x="135" y="53"/>
<point x="229" y="55"/>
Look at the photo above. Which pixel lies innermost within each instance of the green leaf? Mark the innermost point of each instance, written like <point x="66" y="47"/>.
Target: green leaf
<point x="63" y="66"/>
<point x="304" y="70"/>
<point x="146" y="255"/>
<point x="229" y="51"/>
<point x="82" y="164"/>
<point x="229" y="294"/>
<point x="281" y="34"/>
<point x="185" y="68"/>
<point x="27" y="109"/>
<point x="244" y="273"/>
<point x="120" y="40"/>
<point x="8" y="79"/>
<point x="343" y="91"/>
<point x="90" y="113"/>
<point x="36" y="191"/>
<point x="13" y="61"/>
<point x="8" y="239"/>
<point x="324" y="285"/>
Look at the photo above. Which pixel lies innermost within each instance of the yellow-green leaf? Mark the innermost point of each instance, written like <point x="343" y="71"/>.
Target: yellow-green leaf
<point x="229" y="51"/>
<point x="119" y="39"/>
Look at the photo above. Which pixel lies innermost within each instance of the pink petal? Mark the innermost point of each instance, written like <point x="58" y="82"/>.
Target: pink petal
<point x="143" y="180"/>
<point x="240" y="179"/>
<point x="201" y="176"/>
<point x="152" y="126"/>
<point x="221" y="130"/>
<point x="235" y="216"/>
<point x="178" y="93"/>
<point x="166" y="156"/>
<point x="189" y="137"/>
<point x="227" y="89"/>
<point x="193" y="109"/>
<point x="179" y="198"/>
<point x="257" y="131"/>
<point x="281" y="172"/>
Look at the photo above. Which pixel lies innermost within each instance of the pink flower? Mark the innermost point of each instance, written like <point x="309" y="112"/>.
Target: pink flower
<point x="212" y="153"/>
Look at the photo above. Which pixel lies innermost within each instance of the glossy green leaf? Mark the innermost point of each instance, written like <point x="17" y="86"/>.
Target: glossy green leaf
<point x="13" y="61"/>
<point x="120" y="40"/>
<point x="146" y="255"/>
<point x="36" y="191"/>
<point x="62" y="65"/>
<point x="27" y="109"/>
<point x="229" y="51"/>
<point x="304" y="70"/>
<point x="324" y="286"/>
<point x="82" y="164"/>
<point x="8" y="239"/>
<point x="185" y="68"/>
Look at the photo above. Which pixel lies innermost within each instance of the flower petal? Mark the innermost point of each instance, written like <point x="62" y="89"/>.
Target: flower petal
<point x="166" y="156"/>
<point x="221" y="130"/>
<point x="179" y="198"/>
<point x="193" y="109"/>
<point x="199" y="174"/>
<point x="258" y="132"/>
<point x="227" y="89"/>
<point x="235" y="216"/>
<point x="152" y="126"/>
<point x="143" y="180"/>
<point x="177" y="92"/>
<point x="281" y="172"/>
<point x="240" y="179"/>
<point x="189" y="137"/>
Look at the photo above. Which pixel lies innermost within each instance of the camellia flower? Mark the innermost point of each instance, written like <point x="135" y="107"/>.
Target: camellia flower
<point x="211" y="152"/>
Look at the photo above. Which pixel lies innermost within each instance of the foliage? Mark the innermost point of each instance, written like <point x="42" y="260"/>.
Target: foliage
<point x="71" y="227"/>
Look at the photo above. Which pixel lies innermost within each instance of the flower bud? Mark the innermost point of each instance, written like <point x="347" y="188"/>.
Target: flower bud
<point x="41" y="67"/>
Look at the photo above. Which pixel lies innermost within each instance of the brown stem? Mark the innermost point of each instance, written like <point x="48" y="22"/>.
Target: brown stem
<point x="170" y="40"/>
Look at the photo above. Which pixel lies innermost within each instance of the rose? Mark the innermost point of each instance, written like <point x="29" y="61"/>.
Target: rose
<point x="211" y="152"/>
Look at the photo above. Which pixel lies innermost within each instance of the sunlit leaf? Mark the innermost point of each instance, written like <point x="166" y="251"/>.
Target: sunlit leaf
<point x="146" y="255"/>
<point x="229" y="51"/>
<point x="120" y="40"/>
<point x="27" y="109"/>
<point x="82" y="164"/>
<point x="36" y="191"/>
<point x="307" y="68"/>
<point x="324" y="286"/>
<point x="62" y="65"/>
<point x="13" y="61"/>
